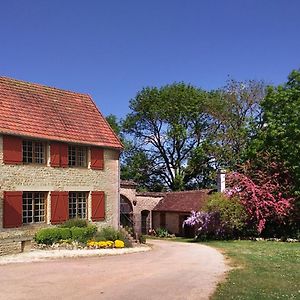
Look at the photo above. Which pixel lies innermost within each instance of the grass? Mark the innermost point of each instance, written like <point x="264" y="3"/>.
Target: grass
<point x="261" y="270"/>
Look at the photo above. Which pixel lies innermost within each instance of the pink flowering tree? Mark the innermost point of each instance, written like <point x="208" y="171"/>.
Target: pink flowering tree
<point x="264" y="192"/>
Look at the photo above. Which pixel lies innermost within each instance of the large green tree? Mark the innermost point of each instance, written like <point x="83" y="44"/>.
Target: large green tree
<point x="168" y="123"/>
<point x="281" y="133"/>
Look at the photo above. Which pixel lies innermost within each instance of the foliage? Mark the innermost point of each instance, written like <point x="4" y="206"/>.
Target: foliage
<point x="49" y="236"/>
<point x="208" y="225"/>
<point x="167" y="123"/>
<point x="232" y="213"/>
<point x="74" y="223"/>
<point x="281" y="134"/>
<point x="162" y="232"/>
<point x="235" y="119"/>
<point x="83" y="234"/>
<point x="263" y="195"/>
<point x="109" y="234"/>
<point x="139" y="167"/>
<point x="142" y="239"/>
<point x="272" y="268"/>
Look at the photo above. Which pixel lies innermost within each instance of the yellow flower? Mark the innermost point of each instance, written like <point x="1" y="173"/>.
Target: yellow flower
<point x="119" y="244"/>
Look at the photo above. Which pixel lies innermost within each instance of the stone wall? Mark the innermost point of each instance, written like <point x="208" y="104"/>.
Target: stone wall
<point x="140" y="201"/>
<point x="46" y="178"/>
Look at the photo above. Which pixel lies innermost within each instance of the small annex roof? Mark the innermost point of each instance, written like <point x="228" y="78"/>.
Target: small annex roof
<point x="185" y="201"/>
<point x="38" y="111"/>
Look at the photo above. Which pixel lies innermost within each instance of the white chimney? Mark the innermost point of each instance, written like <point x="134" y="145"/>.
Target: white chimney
<point x="221" y="180"/>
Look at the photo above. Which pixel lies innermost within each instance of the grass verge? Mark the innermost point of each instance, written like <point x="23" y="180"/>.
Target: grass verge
<point x="262" y="270"/>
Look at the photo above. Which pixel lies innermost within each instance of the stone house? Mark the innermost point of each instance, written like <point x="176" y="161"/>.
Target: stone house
<point x="59" y="159"/>
<point x="175" y="208"/>
<point x="152" y="210"/>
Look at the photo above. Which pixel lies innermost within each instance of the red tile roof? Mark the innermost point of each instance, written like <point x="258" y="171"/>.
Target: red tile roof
<point x="39" y="111"/>
<point x="182" y="201"/>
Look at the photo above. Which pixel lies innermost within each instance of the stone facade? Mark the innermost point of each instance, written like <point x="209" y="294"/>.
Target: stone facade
<point x="173" y="221"/>
<point x="45" y="178"/>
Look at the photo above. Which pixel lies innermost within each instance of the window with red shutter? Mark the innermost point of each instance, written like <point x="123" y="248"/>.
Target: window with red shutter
<point x="59" y="207"/>
<point x="64" y="162"/>
<point x="12" y="150"/>
<point x="97" y="158"/>
<point x="55" y="154"/>
<point x="98" y="206"/>
<point x="59" y="155"/>
<point x="12" y="209"/>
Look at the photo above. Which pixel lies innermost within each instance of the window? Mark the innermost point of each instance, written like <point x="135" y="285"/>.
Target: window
<point x="77" y="156"/>
<point x="33" y="204"/>
<point x="34" y="152"/>
<point x="77" y="205"/>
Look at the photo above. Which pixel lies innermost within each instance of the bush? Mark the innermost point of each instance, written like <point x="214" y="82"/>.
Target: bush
<point x="74" y="223"/>
<point x="232" y="213"/>
<point x="83" y="234"/>
<point x="109" y="234"/>
<point x="49" y="236"/>
<point x="142" y="239"/>
<point x="162" y="232"/>
<point x="221" y="218"/>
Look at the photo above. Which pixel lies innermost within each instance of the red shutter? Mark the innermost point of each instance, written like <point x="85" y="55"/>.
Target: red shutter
<point x="12" y="209"/>
<point x="97" y="158"/>
<point x="12" y="150"/>
<point x="59" y="207"/>
<point x="55" y="154"/>
<point x="64" y="159"/>
<point x="98" y="206"/>
<point x="59" y="155"/>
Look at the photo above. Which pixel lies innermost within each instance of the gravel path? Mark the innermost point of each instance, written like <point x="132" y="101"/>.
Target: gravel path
<point x="171" y="270"/>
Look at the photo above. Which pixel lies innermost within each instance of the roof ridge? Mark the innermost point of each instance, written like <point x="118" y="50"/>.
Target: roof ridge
<point x="41" y="85"/>
<point x="188" y="191"/>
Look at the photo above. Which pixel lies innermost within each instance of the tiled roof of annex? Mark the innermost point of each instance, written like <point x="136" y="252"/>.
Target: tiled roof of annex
<point x="184" y="201"/>
<point x="38" y="111"/>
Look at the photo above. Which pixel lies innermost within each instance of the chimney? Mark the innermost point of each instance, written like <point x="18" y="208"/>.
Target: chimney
<point x="221" y="180"/>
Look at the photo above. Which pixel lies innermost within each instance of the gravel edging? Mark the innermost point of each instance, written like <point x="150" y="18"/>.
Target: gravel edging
<point x="42" y="255"/>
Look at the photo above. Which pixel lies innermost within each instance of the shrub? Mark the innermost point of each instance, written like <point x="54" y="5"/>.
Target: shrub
<point x="74" y="223"/>
<point x="207" y="225"/>
<point x="142" y="239"/>
<point x="83" y="234"/>
<point x="232" y="213"/>
<point x="265" y="187"/>
<point x="162" y="232"/>
<point x="49" y="236"/>
<point x="109" y="234"/>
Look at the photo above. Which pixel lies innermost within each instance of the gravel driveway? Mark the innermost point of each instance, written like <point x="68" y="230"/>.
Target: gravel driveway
<point x="171" y="270"/>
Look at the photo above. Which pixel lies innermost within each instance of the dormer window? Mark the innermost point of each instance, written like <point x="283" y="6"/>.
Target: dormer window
<point x="34" y="152"/>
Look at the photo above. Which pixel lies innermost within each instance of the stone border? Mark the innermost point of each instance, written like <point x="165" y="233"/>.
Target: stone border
<point x="42" y="255"/>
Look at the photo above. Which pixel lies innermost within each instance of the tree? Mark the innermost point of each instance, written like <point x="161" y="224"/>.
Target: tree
<point x="238" y="119"/>
<point x="281" y="133"/>
<point x="265" y="191"/>
<point x="168" y="123"/>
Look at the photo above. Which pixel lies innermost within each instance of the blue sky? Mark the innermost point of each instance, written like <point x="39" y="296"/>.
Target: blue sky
<point x="111" y="49"/>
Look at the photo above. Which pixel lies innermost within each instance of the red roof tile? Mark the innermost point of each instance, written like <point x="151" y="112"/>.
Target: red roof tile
<point x="39" y="111"/>
<point x="182" y="201"/>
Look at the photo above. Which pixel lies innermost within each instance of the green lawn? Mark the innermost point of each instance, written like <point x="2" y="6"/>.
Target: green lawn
<point x="262" y="270"/>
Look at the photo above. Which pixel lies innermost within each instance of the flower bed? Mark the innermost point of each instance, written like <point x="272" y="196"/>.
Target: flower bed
<point x="105" y="244"/>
